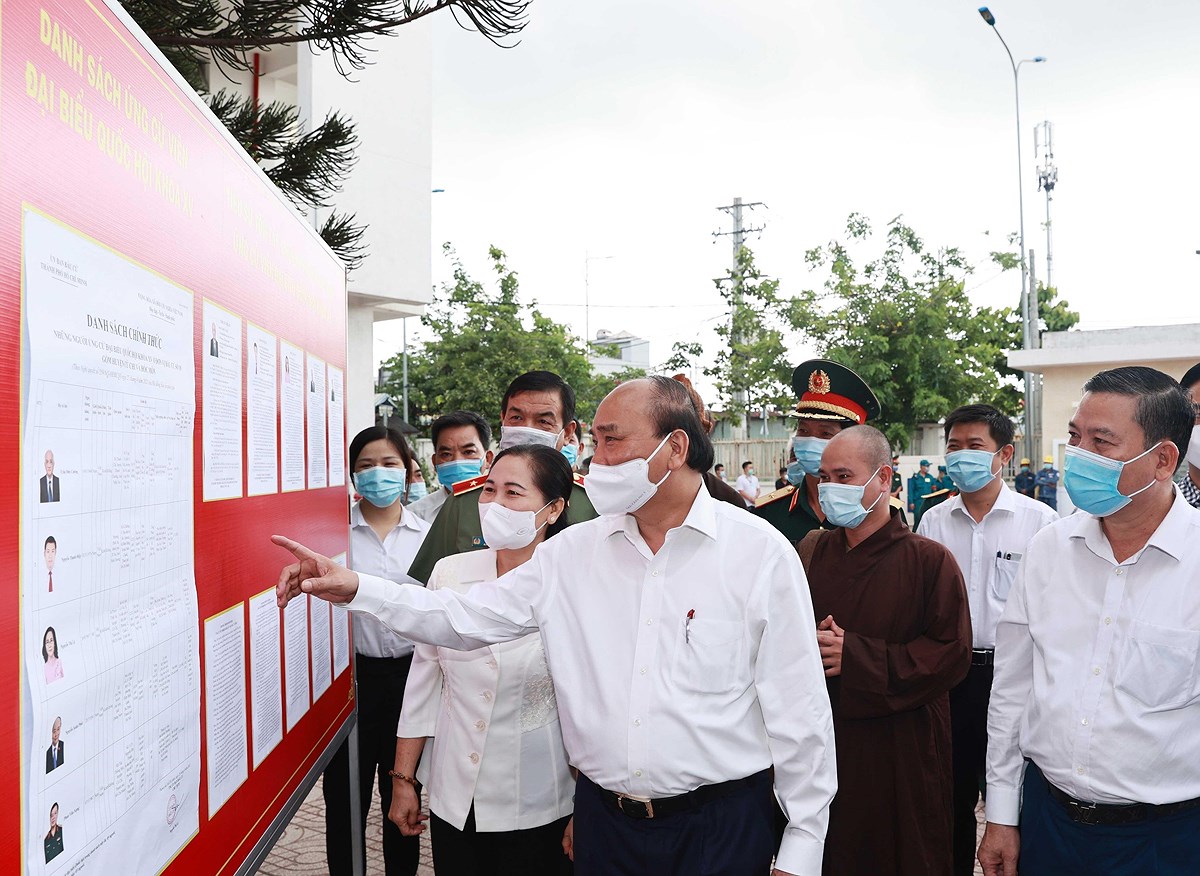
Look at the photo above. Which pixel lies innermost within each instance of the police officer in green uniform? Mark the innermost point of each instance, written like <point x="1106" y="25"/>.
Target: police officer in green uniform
<point x="832" y="398"/>
<point x="943" y="479"/>
<point x="538" y="408"/>
<point x="920" y="485"/>
<point x="897" y="481"/>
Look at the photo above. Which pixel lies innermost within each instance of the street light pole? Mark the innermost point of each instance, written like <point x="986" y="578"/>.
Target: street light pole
<point x="1028" y="331"/>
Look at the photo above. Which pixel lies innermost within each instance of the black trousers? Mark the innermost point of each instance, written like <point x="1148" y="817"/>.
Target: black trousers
<point x="728" y="836"/>
<point x="535" y="851"/>
<point x="968" y="727"/>
<point x="380" y="695"/>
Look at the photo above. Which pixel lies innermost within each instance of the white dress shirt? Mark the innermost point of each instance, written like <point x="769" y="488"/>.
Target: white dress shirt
<point x="389" y="559"/>
<point x="748" y="484"/>
<point x="494" y="722"/>
<point x="1096" y="677"/>
<point x="988" y="552"/>
<point x="651" y="705"/>
<point x="427" y="507"/>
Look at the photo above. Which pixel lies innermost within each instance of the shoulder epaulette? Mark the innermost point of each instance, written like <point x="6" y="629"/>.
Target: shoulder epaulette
<point x="896" y="503"/>
<point x="579" y="480"/>
<point x="781" y="493"/>
<point x="468" y="485"/>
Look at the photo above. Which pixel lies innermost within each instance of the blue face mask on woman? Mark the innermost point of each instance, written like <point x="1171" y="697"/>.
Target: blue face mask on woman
<point x="971" y="470"/>
<point x="1091" y="480"/>
<point x="842" y="503"/>
<point x="380" y="486"/>
<point x="450" y="473"/>
<point x="808" y="455"/>
<point x="571" y="453"/>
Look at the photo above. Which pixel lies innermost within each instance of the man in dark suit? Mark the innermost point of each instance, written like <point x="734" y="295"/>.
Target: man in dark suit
<point x="54" y="754"/>
<point x="213" y="349"/>
<point x="49" y="482"/>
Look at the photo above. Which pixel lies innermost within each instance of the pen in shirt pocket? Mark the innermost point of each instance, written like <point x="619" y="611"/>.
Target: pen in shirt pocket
<point x="687" y="626"/>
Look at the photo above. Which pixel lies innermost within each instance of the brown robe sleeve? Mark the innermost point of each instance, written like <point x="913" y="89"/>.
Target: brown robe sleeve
<point x="880" y="677"/>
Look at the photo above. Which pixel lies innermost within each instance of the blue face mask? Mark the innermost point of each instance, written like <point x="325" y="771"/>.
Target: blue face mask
<point x="380" y="486"/>
<point x="971" y="470"/>
<point x="795" y="473"/>
<point x="808" y="455"/>
<point x="842" y="503"/>
<point x="1091" y="481"/>
<point x="417" y="490"/>
<point x="571" y="453"/>
<point x="450" y="473"/>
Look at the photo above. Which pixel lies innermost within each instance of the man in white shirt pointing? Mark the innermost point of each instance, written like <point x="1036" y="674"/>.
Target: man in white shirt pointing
<point x="682" y="655"/>
<point x="1093" y="759"/>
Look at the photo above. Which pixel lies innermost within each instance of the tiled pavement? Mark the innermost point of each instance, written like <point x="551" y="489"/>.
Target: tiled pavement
<point x="301" y="849"/>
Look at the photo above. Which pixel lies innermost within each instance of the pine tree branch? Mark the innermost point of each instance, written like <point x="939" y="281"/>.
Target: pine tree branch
<point x="345" y="238"/>
<point x="311" y="167"/>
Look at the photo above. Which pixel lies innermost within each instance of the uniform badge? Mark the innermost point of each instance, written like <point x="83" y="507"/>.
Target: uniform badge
<point x="818" y="382"/>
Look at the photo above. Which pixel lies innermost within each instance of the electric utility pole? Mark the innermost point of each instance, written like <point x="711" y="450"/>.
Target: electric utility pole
<point x="1047" y="180"/>
<point x="738" y="233"/>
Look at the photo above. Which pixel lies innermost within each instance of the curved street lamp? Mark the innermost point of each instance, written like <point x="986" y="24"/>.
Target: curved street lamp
<point x="1027" y="329"/>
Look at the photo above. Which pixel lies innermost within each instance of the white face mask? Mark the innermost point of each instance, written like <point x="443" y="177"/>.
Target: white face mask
<point x="1193" y="451"/>
<point x="515" y="436"/>
<point x="624" y="488"/>
<point x="507" y="530"/>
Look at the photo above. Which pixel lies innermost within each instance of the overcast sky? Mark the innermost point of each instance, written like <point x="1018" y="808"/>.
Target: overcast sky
<point x="616" y="128"/>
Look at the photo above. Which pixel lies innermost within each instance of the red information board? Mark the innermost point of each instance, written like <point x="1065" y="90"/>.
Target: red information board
<point x="172" y="354"/>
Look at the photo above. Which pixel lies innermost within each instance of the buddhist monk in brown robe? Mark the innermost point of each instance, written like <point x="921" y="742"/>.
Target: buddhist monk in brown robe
<point x="895" y="635"/>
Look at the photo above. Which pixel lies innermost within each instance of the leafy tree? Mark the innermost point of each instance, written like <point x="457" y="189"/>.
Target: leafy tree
<point x="484" y="337"/>
<point x="309" y="167"/>
<point x="752" y="364"/>
<point x="902" y="320"/>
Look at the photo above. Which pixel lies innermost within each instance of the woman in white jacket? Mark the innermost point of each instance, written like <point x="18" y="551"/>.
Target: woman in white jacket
<point x="500" y="790"/>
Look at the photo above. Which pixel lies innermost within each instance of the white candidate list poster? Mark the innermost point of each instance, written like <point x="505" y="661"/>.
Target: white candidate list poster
<point x="315" y="393"/>
<point x="222" y="399"/>
<point x="110" y="642"/>
<point x="262" y="432"/>
<point x="291" y="417"/>
<point x="337" y="428"/>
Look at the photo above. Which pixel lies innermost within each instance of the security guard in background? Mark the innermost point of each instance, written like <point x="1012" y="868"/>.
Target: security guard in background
<point x="943" y="479"/>
<point x="832" y="398"/>
<point x="897" y="481"/>
<point x="920" y="485"/>
<point x="1025" y="479"/>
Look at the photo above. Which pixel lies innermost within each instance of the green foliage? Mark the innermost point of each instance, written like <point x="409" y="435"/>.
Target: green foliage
<point x="753" y="358"/>
<point x="483" y="337"/>
<point x="903" y="321"/>
<point x="684" y="354"/>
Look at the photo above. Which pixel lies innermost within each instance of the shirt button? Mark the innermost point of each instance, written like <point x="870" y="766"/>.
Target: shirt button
<point x="654" y="574"/>
<point x="637" y="722"/>
<point x="648" y="621"/>
<point x="487" y="695"/>
<point x="1096" y="670"/>
<point x="1107" y="621"/>
<point x="1080" y="770"/>
<point x="1120" y="571"/>
<point x="642" y="671"/>
<point x="1084" y="722"/>
<point x="480" y="725"/>
<point x="637" y="772"/>
<point x="492" y="663"/>
<point x="474" y="757"/>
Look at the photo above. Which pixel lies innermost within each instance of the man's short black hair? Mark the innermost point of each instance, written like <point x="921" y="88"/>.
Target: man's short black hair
<point x="462" y="418"/>
<point x="543" y="381"/>
<point x="1191" y="378"/>
<point x="719" y="465"/>
<point x="1163" y="409"/>
<point x="999" y="426"/>
<point x="49" y="541"/>
<point x="671" y="408"/>
<point x="748" y="462"/>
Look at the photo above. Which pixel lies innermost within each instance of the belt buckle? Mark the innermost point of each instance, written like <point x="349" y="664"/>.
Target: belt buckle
<point x="1083" y="813"/>
<point x="646" y="804"/>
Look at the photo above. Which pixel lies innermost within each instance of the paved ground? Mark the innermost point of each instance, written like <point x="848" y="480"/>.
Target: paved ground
<point x="301" y="849"/>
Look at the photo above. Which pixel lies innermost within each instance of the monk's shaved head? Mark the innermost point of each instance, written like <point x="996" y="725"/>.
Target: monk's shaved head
<point x="867" y="443"/>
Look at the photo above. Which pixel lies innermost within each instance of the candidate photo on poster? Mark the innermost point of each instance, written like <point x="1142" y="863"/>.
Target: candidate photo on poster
<point x="54" y="668"/>
<point x="54" y="836"/>
<point x="50" y="554"/>
<point x="55" y="753"/>
<point x="214" y="348"/>
<point x="48" y="484"/>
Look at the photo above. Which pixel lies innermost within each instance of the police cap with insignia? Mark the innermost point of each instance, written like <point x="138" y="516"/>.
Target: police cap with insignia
<point x="829" y="391"/>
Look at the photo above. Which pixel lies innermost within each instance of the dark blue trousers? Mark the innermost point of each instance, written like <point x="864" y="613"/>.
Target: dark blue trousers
<point x="728" y="836"/>
<point x="1054" y="845"/>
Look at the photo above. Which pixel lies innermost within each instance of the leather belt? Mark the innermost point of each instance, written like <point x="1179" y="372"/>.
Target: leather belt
<point x="643" y="807"/>
<point x="983" y="656"/>
<point x="1110" y="814"/>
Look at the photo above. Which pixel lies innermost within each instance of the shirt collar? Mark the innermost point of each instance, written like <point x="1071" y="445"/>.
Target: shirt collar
<point x="1006" y="500"/>
<point x="701" y="517"/>
<point x="1172" y="536"/>
<point x="407" y="519"/>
